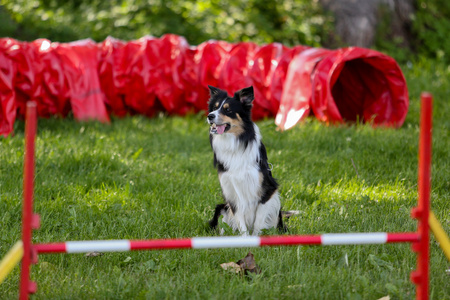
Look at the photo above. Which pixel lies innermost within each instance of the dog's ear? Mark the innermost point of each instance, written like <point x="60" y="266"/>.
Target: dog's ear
<point x="213" y="91"/>
<point x="246" y="96"/>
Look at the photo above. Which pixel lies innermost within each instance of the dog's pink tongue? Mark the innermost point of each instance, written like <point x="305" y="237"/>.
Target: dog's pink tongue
<point x="220" y="129"/>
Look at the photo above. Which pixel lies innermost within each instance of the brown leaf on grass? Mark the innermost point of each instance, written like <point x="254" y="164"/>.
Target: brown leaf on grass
<point x="231" y="266"/>
<point x="248" y="264"/>
<point x="92" y="254"/>
<point x="244" y="266"/>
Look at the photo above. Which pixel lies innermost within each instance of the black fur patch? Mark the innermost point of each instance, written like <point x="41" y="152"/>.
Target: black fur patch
<point x="249" y="133"/>
<point x="220" y="167"/>
<point x="269" y="184"/>
<point x="217" y="213"/>
<point x="280" y="226"/>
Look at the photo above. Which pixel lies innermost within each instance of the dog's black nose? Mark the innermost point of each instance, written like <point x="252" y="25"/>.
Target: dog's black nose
<point x="211" y="116"/>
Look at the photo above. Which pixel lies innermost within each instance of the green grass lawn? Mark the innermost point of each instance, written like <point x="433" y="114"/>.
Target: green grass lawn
<point x="144" y="178"/>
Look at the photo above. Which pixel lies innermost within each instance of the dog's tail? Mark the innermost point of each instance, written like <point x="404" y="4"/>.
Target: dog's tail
<point x="289" y="213"/>
<point x="285" y="214"/>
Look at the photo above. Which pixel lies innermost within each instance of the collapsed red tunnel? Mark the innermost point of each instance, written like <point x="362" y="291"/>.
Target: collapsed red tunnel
<point x="149" y="75"/>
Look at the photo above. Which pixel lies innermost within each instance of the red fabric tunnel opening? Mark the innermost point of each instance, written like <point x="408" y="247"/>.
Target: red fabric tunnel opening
<point x="359" y="85"/>
<point x="353" y="91"/>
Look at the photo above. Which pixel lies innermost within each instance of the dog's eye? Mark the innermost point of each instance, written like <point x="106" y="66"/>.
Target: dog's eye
<point x="227" y="109"/>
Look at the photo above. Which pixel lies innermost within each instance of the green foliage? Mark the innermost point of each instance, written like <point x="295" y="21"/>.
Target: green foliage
<point x="431" y="27"/>
<point x="427" y="34"/>
<point x="262" y="21"/>
<point x="389" y="42"/>
<point x="7" y="25"/>
<point x="36" y="19"/>
<point x="290" y="22"/>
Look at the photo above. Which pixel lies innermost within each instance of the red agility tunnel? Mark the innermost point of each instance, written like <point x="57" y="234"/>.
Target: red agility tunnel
<point x="344" y="85"/>
<point x="150" y="75"/>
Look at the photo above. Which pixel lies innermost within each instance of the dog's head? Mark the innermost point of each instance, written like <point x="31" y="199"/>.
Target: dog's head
<point x="230" y="114"/>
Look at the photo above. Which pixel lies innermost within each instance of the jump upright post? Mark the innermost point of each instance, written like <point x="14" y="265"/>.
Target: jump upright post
<point x="30" y="220"/>
<point x="419" y="239"/>
<point x="422" y="211"/>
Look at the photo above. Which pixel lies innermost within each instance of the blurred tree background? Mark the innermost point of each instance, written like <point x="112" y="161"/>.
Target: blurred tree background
<point x="402" y="28"/>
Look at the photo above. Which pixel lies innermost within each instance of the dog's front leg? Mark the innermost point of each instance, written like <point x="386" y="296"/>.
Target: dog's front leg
<point x="240" y="222"/>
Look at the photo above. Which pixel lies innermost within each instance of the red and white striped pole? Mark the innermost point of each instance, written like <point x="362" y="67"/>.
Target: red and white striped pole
<point x="420" y="277"/>
<point x="227" y="242"/>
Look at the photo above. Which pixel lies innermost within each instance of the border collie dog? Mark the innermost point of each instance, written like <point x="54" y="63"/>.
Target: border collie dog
<point x="250" y="192"/>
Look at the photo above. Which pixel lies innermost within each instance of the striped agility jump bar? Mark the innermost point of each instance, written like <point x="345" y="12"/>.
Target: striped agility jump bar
<point x="226" y="242"/>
